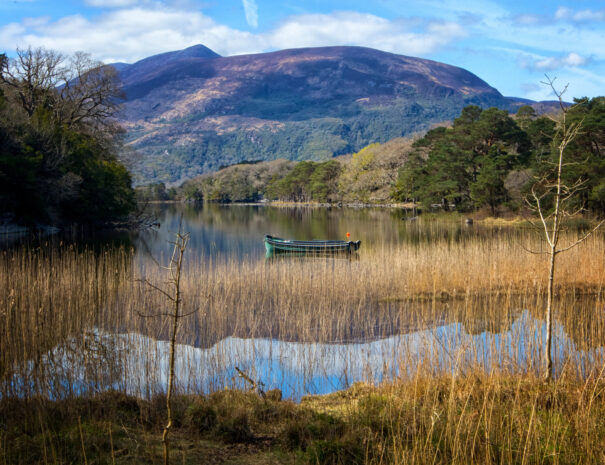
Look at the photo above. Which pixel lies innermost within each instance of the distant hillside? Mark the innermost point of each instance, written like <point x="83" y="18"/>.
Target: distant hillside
<point x="192" y="111"/>
<point x="366" y="176"/>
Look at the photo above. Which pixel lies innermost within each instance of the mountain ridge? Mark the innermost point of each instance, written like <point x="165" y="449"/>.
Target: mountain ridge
<point x="190" y="111"/>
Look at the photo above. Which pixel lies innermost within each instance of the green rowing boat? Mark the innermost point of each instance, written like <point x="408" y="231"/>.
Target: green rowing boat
<point x="276" y="245"/>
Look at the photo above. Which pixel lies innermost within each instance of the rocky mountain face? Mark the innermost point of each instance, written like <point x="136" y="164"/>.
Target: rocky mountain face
<point x="193" y="111"/>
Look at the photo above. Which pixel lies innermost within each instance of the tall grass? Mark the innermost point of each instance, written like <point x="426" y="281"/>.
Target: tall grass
<point x="468" y="393"/>
<point x="68" y="298"/>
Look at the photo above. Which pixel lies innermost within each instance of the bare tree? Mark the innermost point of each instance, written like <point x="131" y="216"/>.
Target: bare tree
<point x="33" y="74"/>
<point x="77" y="89"/>
<point x="90" y="92"/>
<point x="174" y="296"/>
<point x="551" y="189"/>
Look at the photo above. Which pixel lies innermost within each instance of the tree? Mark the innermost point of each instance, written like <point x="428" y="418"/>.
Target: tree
<point x="358" y="178"/>
<point x="34" y="75"/>
<point x="323" y="183"/>
<point x="76" y="89"/>
<point x="525" y="115"/>
<point x="295" y="186"/>
<point x="553" y="200"/>
<point x="588" y="150"/>
<point x="59" y="153"/>
<point x="408" y="177"/>
<point x="466" y="164"/>
<point x="488" y="188"/>
<point x="174" y="295"/>
<point x="446" y="176"/>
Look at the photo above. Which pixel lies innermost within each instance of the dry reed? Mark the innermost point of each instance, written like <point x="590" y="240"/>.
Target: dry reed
<point x="479" y="401"/>
<point x="64" y="297"/>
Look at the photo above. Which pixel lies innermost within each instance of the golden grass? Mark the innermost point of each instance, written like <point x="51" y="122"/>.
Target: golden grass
<point x="476" y="419"/>
<point x="61" y="297"/>
<point x="49" y="296"/>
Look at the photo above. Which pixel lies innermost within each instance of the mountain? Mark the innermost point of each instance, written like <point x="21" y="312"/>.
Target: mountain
<point x="192" y="111"/>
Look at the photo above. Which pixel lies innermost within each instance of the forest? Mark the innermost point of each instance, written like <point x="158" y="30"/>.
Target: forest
<point x="486" y="159"/>
<point x="62" y="155"/>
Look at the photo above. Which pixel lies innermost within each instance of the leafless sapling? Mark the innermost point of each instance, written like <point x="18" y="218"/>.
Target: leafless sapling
<point x="555" y="200"/>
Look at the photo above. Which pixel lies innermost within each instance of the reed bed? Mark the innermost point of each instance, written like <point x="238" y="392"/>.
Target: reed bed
<point x="466" y="317"/>
<point x="67" y="297"/>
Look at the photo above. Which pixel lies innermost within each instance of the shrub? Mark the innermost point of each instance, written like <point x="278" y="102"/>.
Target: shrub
<point x="201" y="416"/>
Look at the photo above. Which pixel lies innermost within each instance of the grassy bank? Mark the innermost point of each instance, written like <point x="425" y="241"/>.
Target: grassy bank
<point x="478" y="418"/>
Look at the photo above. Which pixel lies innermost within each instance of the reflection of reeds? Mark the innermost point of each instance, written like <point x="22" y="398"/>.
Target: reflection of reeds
<point x="64" y="297"/>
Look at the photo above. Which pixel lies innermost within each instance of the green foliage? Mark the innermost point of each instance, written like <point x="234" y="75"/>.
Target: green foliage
<point x="316" y="130"/>
<point x="308" y="181"/>
<point x="156" y="191"/>
<point x="191" y="192"/>
<point x="359" y="176"/>
<point x="237" y="183"/>
<point x="588" y="151"/>
<point x="488" y="188"/>
<point x="487" y="159"/>
<point x="323" y="181"/>
<point x="295" y="186"/>
<point x="466" y="165"/>
<point x="58" y="171"/>
<point x="406" y="187"/>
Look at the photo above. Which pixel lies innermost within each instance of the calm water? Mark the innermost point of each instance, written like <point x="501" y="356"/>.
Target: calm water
<point x="141" y="363"/>
<point x="238" y="230"/>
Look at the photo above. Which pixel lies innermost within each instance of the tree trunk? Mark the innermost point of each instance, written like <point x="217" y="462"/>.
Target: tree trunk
<point x="180" y="246"/>
<point x="549" y="305"/>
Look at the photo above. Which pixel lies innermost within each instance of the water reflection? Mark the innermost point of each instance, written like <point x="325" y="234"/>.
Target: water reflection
<point x="238" y="230"/>
<point x="139" y="365"/>
<point x="312" y="325"/>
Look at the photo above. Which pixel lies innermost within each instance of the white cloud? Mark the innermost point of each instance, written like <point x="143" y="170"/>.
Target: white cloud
<point x="111" y="3"/>
<point x="563" y="13"/>
<point x="36" y="22"/>
<point x="534" y="61"/>
<point x="350" y="28"/>
<point x="529" y="20"/>
<point x="129" y="34"/>
<point x="554" y="37"/>
<point x="134" y="33"/>
<point x="251" y="11"/>
<point x="572" y="60"/>
<point x="578" y="81"/>
<point x="580" y="16"/>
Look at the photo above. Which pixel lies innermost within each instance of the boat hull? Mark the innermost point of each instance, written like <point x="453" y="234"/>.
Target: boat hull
<point x="276" y="245"/>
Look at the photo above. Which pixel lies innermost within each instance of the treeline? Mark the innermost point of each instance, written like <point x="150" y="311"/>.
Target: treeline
<point x="487" y="159"/>
<point x="58" y="142"/>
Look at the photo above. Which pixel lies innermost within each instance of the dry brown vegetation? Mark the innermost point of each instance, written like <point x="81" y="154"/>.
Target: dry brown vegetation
<point x="436" y="412"/>
<point x="370" y="174"/>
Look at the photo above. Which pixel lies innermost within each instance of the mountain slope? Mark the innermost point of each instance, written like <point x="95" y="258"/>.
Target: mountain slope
<point x="190" y="112"/>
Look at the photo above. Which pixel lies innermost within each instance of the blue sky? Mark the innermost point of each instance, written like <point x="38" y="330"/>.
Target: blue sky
<point x="510" y="44"/>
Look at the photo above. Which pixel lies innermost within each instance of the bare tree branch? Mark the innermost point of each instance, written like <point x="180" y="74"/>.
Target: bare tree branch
<point x="583" y="238"/>
<point x="562" y="195"/>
